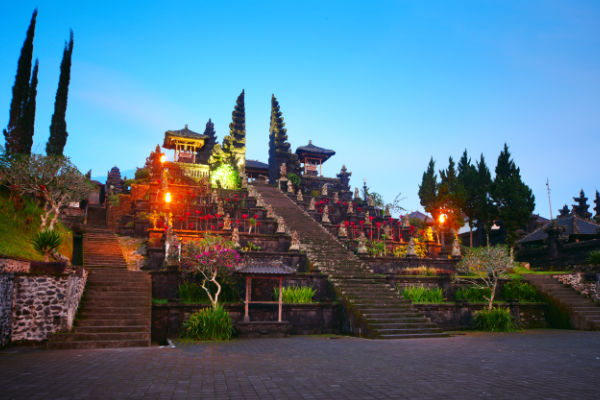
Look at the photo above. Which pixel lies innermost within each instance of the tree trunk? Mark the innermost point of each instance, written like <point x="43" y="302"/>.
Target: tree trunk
<point x="493" y="294"/>
<point x="470" y="236"/>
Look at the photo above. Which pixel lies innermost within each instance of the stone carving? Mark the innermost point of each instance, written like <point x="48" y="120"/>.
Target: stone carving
<point x="362" y="244"/>
<point x="244" y="179"/>
<point x="295" y="245"/>
<point x="324" y="190"/>
<point x="299" y="196"/>
<point x="411" y="251"/>
<point x="283" y="171"/>
<point x="214" y="196"/>
<point x="342" y="232"/>
<point x="220" y="210"/>
<point x="280" y="225"/>
<point x="259" y="201"/>
<point x="270" y="212"/>
<point x="251" y="191"/>
<point x="387" y="211"/>
<point x="227" y="222"/>
<point x="311" y="206"/>
<point x="336" y="197"/>
<point x="405" y="221"/>
<point x="350" y="208"/>
<point x="387" y="230"/>
<point x="356" y="195"/>
<point x="290" y="187"/>
<point x="370" y="201"/>
<point x="235" y="237"/>
<point x="367" y="218"/>
<point x="325" y="217"/>
<point x="456" y="248"/>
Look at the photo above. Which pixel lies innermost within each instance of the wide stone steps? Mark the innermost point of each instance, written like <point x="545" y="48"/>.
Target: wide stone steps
<point x="385" y="313"/>
<point x="99" y="344"/>
<point x="583" y="312"/>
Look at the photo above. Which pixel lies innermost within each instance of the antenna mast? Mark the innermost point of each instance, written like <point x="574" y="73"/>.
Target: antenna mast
<point x="549" y="202"/>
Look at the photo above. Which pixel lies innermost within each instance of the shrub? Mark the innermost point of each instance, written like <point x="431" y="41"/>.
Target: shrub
<point x="192" y="293"/>
<point x="295" y="294"/>
<point x="594" y="257"/>
<point x="519" y="290"/>
<point x="209" y="324"/>
<point x="295" y="179"/>
<point x="495" y="320"/>
<point x="420" y="294"/>
<point x="47" y="242"/>
<point x="473" y="294"/>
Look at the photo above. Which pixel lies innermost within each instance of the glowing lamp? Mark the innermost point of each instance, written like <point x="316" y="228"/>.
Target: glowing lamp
<point x="168" y="197"/>
<point x="163" y="158"/>
<point x="442" y="218"/>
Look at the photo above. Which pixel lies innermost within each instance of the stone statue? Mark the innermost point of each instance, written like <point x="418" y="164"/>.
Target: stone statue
<point x="311" y="206"/>
<point x="387" y="211"/>
<point x="290" y="187"/>
<point x="387" y="230"/>
<point x="367" y="218"/>
<point x="280" y="225"/>
<point x="299" y="196"/>
<point x="214" y="196"/>
<point x="154" y="218"/>
<point x="456" y="248"/>
<point x="324" y="190"/>
<point x="362" y="244"/>
<point x="411" y="251"/>
<point x="325" y="218"/>
<point x="220" y="210"/>
<point x="283" y="171"/>
<point x="227" y="222"/>
<point x="350" y="208"/>
<point x="336" y="197"/>
<point x="295" y="245"/>
<point x="259" y="201"/>
<point x="405" y="221"/>
<point x="342" y="232"/>
<point x="370" y="201"/>
<point x="235" y="237"/>
<point x="270" y="212"/>
<point x="251" y="191"/>
<point x="356" y="194"/>
<point x="244" y="179"/>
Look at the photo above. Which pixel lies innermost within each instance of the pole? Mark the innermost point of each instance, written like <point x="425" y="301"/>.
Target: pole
<point x="549" y="202"/>
<point x="280" y="299"/>
<point x="247" y="305"/>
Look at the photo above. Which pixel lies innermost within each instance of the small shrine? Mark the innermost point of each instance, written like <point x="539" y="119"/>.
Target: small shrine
<point x="185" y="144"/>
<point x="313" y="158"/>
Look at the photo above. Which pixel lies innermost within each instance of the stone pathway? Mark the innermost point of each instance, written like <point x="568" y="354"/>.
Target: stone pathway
<point x="550" y="364"/>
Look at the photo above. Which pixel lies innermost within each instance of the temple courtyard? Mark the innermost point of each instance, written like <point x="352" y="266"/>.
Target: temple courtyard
<point x="538" y="364"/>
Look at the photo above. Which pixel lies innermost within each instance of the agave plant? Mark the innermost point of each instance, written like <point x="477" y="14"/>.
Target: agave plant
<point x="46" y="242"/>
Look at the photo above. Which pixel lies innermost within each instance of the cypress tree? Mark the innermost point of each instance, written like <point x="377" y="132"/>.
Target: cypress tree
<point x="428" y="190"/>
<point x="513" y="199"/>
<point x="234" y="144"/>
<point x="14" y="132"/>
<point x="205" y="152"/>
<point x="467" y="177"/>
<point x="597" y="207"/>
<point x="451" y="196"/>
<point x="58" y="127"/>
<point x="581" y="208"/>
<point x="279" y="147"/>
<point x="484" y="209"/>
<point x="29" y="112"/>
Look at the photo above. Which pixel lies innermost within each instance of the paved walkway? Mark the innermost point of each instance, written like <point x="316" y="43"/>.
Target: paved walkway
<point x="530" y="365"/>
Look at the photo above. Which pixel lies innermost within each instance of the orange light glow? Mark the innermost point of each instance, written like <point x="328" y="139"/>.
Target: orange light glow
<point x="163" y="158"/>
<point x="442" y="218"/>
<point x="168" y="197"/>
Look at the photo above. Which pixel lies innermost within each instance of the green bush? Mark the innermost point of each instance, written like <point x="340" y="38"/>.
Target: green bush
<point x="295" y="179"/>
<point x="519" y="290"/>
<point x="46" y="242"/>
<point x="472" y="294"/>
<point x="192" y="293"/>
<point x="494" y="320"/>
<point x="209" y="324"/>
<point x="295" y="294"/>
<point x="420" y="294"/>
<point x="594" y="257"/>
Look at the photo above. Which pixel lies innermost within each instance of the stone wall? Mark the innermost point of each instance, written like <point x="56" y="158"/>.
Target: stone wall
<point x="45" y="304"/>
<point x="6" y="291"/>
<point x="14" y="265"/>
<point x="564" y="255"/>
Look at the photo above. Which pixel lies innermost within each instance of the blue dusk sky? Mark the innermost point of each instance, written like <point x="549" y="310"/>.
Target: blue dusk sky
<point x="387" y="85"/>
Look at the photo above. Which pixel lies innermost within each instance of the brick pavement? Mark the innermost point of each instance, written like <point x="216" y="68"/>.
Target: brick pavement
<point x="534" y="365"/>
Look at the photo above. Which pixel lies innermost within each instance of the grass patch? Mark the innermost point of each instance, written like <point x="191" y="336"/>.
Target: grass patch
<point x="209" y="324"/>
<point x="422" y="295"/>
<point x="495" y="320"/>
<point x="160" y="301"/>
<point x="518" y="272"/>
<point x="20" y="222"/>
<point x="473" y="294"/>
<point x="295" y="294"/>
<point x="519" y="290"/>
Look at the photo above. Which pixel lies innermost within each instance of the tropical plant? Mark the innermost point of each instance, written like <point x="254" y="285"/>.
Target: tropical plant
<point x="376" y="248"/>
<point x="295" y="179"/>
<point x="295" y="294"/>
<point x="594" y="257"/>
<point x="46" y="243"/>
<point x="472" y="294"/>
<point x="495" y="320"/>
<point x="519" y="290"/>
<point x="209" y="324"/>
<point x="421" y="294"/>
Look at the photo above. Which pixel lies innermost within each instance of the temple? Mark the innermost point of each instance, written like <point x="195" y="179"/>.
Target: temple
<point x="186" y="144"/>
<point x="313" y="158"/>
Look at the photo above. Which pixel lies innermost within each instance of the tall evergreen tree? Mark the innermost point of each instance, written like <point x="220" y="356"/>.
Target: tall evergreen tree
<point x="234" y="144"/>
<point x="279" y="147"/>
<point x="58" y="127"/>
<point x="209" y="144"/>
<point x="484" y="208"/>
<point x="467" y="177"/>
<point x="29" y="112"/>
<point x="428" y="190"/>
<point x="14" y="132"/>
<point x="513" y="199"/>
<point x="450" y="196"/>
<point x="597" y="207"/>
<point x="581" y="207"/>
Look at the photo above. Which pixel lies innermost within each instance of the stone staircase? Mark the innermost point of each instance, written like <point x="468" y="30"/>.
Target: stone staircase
<point x="115" y="310"/>
<point x="583" y="312"/>
<point x="374" y="308"/>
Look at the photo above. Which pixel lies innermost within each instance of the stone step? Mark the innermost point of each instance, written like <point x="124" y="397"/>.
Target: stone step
<point x="111" y="320"/>
<point x="112" y="329"/>
<point x="98" y="344"/>
<point x="421" y="329"/>
<point x="99" y="336"/>
<point x="413" y="336"/>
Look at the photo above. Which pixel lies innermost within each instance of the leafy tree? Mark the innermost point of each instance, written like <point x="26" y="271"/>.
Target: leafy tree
<point x="52" y="179"/>
<point x="234" y="144"/>
<point x="484" y="207"/>
<point x="467" y="177"/>
<point x="58" y="127"/>
<point x="204" y="153"/>
<point x="29" y="112"/>
<point x="513" y="199"/>
<point x="428" y="190"/>
<point x="581" y="208"/>
<point x="451" y="196"/>
<point x="15" y="131"/>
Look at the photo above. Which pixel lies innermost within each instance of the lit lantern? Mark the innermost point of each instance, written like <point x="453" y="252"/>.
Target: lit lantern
<point x="168" y="197"/>
<point x="163" y="158"/>
<point x="442" y="218"/>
